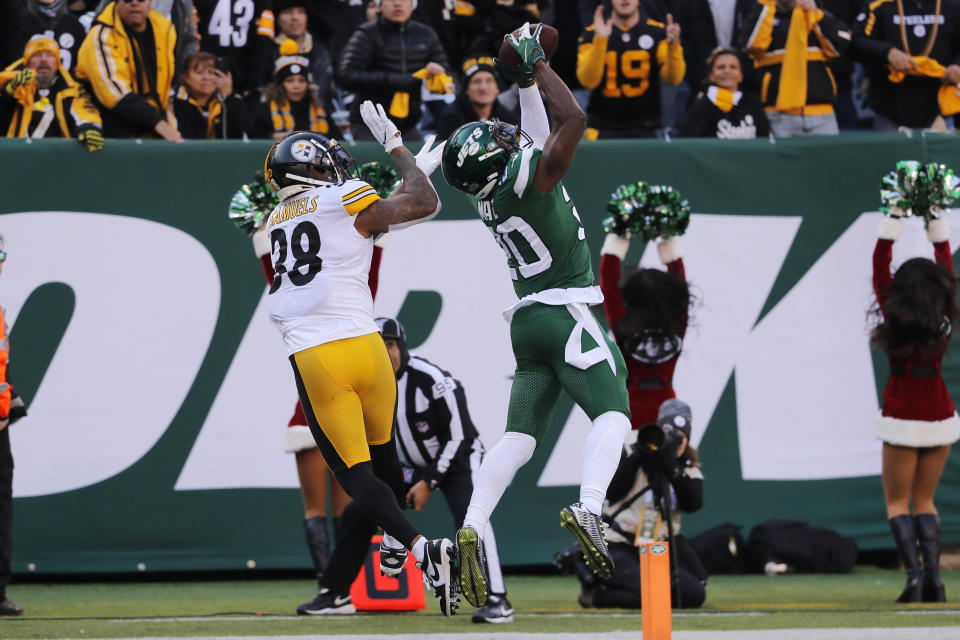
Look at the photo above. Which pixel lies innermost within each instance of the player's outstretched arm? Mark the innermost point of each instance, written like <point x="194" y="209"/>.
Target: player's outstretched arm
<point x="417" y="200"/>
<point x="567" y="127"/>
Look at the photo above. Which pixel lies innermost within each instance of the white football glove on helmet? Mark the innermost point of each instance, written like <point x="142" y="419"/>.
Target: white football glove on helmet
<point x="429" y="159"/>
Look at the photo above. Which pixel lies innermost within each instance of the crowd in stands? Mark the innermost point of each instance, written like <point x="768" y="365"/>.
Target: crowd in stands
<point x="211" y="69"/>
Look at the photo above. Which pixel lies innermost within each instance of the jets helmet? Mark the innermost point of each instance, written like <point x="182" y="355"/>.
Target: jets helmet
<point x="303" y="160"/>
<point x="477" y="153"/>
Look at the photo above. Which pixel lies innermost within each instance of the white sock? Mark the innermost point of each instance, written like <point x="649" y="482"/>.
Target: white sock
<point x="494" y="574"/>
<point x="419" y="549"/>
<point x="601" y="455"/>
<point x="391" y="542"/>
<point x="494" y="476"/>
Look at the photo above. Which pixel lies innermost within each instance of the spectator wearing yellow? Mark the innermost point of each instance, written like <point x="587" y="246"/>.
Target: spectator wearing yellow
<point x="289" y="103"/>
<point x="40" y="99"/>
<point x="128" y="59"/>
<point x="791" y="42"/>
<point x="623" y="59"/>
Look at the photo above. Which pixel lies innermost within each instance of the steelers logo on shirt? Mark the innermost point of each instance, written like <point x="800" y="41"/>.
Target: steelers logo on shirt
<point x="645" y="41"/>
<point x="919" y="31"/>
<point x="303" y="151"/>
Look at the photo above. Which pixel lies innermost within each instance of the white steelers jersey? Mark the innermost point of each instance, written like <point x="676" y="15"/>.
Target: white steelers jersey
<point x="320" y="292"/>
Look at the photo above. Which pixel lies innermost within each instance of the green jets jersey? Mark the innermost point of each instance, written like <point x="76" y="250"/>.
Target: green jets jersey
<point x="540" y="232"/>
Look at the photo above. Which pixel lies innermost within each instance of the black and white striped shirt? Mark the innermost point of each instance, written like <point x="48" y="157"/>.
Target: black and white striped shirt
<point x="433" y="425"/>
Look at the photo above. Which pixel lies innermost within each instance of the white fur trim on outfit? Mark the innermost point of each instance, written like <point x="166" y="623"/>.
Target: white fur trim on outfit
<point x="614" y="245"/>
<point x="890" y="228"/>
<point x="298" y="438"/>
<point x="669" y="249"/>
<point x="261" y="243"/>
<point x="938" y="230"/>
<point x="918" y="433"/>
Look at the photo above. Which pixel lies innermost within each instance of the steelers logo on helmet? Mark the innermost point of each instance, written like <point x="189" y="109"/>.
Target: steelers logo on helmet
<point x="303" y="160"/>
<point x="303" y="150"/>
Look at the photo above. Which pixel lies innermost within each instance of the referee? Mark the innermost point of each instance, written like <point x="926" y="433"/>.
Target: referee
<point x="439" y="449"/>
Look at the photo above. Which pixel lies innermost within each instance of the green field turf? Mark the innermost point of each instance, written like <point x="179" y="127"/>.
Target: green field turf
<point x="544" y="604"/>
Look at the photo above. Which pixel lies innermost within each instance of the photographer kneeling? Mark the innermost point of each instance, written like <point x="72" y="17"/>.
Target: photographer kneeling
<point x="661" y="462"/>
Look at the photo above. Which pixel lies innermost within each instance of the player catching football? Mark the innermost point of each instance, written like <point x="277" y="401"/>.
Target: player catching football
<point x="321" y="242"/>
<point x="513" y="177"/>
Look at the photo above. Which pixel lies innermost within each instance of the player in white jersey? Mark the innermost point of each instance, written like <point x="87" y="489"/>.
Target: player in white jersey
<point x="321" y="242"/>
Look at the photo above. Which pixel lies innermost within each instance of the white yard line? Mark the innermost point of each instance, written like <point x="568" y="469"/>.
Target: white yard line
<point x="914" y="633"/>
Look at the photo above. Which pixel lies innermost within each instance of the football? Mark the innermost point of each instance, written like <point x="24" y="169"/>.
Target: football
<point x="548" y="40"/>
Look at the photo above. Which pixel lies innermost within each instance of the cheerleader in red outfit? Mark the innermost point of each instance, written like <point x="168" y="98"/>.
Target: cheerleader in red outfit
<point x="917" y="423"/>
<point x="312" y="470"/>
<point x="648" y="318"/>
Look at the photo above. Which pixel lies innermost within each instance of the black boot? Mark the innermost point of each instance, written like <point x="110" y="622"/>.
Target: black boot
<point x="906" y="537"/>
<point x="928" y="533"/>
<point x="318" y="541"/>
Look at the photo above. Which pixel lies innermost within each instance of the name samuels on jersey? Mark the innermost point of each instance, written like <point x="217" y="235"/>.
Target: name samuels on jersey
<point x="292" y="209"/>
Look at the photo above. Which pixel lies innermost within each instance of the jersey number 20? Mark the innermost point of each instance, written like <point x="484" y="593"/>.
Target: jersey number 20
<point x="305" y="232"/>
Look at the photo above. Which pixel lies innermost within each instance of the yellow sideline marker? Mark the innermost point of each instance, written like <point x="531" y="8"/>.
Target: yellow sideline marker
<point x="655" y="590"/>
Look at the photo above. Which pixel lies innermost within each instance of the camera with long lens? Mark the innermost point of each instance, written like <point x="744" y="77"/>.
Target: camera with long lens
<point x="658" y="445"/>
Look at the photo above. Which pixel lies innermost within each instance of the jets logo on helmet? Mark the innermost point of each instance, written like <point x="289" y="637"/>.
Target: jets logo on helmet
<point x="477" y="153"/>
<point x="303" y="160"/>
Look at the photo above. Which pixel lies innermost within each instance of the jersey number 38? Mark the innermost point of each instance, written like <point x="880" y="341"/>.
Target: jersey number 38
<point x="305" y="246"/>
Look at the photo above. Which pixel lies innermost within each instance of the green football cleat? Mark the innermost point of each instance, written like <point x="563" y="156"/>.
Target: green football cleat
<point x="473" y="566"/>
<point x="590" y="532"/>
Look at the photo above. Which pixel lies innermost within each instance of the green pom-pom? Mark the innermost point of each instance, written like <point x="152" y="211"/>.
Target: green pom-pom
<point x="251" y="204"/>
<point x="647" y="211"/>
<point x="915" y="189"/>
<point x="382" y="178"/>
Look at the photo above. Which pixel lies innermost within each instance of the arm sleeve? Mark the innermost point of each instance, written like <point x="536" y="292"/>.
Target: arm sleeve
<point x="590" y="60"/>
<point x="356" y="69"/>
<point x="137" y="109"/>
<point x="624" y="476"/>
<point x="672" y="65"/>
<point x="697" y="124"/>
<point x="373" y="278"/>
<point x="689" y="489"/>
<point x="613" y="306"/>
<point x="763" y="124"/>
<point x="941" y="252"/>
<point x="533" y="115"/>
<point x="759" y="33"/>
<point x="882" y="256"/>
<point x="938" y="232"/>
<point x="827" y="31"/>
<point x="238" y="118"/>
<point x="83" y="114"/>
<point x="455" y="401"/>
<point x="437" y="54"/>
<point x="107" y="76"/>
<point x="866" y="46"/>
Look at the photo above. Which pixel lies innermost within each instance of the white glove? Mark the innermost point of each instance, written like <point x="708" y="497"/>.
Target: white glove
<point x="382" y="128"/>
<point x="428" y="160"/>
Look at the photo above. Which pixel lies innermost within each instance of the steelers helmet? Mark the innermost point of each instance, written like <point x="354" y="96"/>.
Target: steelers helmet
<point x="476" y="155"/>
<point x="303" y="160"/>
